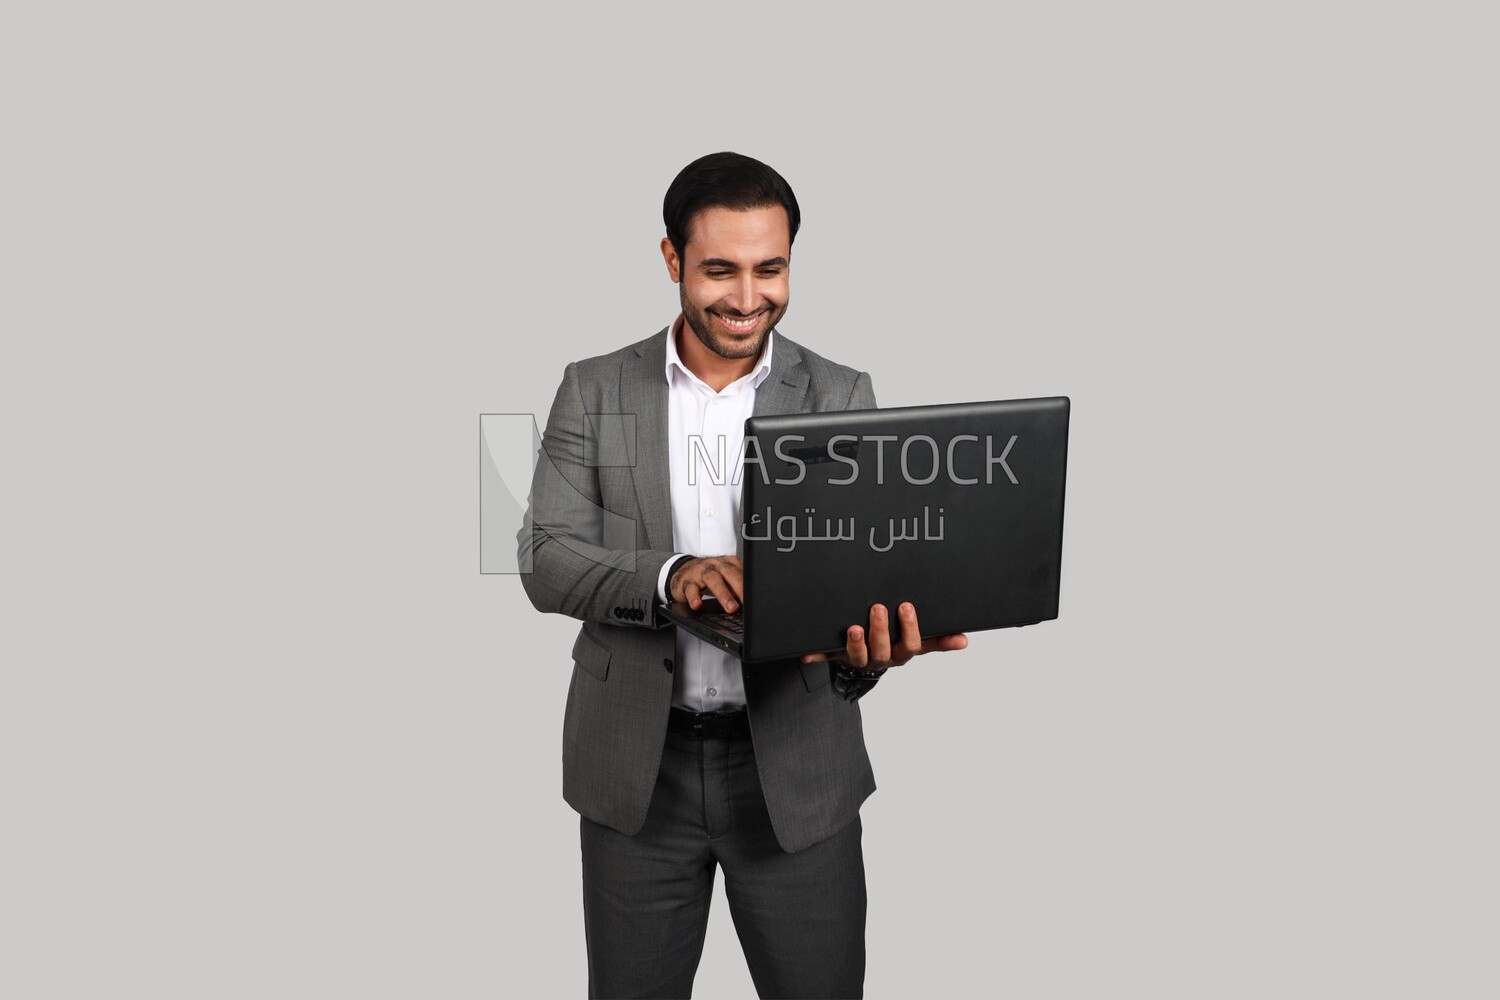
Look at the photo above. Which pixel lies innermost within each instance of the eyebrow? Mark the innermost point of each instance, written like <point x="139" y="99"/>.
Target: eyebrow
<point x="721" y="262"/>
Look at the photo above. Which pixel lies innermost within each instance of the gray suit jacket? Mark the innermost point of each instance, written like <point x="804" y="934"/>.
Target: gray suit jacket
<point x="598" y="534"/>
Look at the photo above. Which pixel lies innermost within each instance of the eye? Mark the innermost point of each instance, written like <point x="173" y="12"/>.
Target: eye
<point x="720" y="273"/>
<point x="771" y="272"/>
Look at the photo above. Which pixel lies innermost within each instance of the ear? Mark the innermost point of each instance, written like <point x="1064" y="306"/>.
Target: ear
<point x="674" y="265"/>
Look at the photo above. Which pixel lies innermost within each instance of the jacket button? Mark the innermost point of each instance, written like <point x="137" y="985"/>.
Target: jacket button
<point x="668" y="664"/>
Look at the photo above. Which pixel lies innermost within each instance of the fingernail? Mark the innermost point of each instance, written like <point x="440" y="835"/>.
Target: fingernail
<point x="880" y="612"/>
<point x="854" y="633"/>
<point x="908" y="610"/>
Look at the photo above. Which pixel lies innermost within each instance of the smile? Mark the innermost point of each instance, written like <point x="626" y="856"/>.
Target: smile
<point x="739" y="325"/>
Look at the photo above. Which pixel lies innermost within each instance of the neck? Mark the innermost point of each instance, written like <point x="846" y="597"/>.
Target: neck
<point x="715" y="371"/>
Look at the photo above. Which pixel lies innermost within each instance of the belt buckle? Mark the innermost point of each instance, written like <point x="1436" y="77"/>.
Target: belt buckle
<point x="713" y="725"/>
<point x="710" y="725"/>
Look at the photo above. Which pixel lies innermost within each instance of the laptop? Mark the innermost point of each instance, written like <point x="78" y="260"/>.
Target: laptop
<point x="957" y="508"/>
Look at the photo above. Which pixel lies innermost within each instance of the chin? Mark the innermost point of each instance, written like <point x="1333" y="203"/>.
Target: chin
<point x="734" y="349"/>
<point x="744" y="351"/>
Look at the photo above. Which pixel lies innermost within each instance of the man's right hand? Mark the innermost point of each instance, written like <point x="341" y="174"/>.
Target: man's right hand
<point x="721" y="576"/>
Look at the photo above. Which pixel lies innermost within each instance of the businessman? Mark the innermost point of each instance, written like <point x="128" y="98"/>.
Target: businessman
<point x="678" y="760"/>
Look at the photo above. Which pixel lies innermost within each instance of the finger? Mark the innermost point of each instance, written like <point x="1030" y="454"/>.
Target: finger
<point x="726" y="597"/>
<point x="880" y="636"/>
<point x="945" y="643"/>
<point x="815" y="658"/>
<point x="911" y="633"/>
<point x="857" y="656"/>
<point x="692" y="595"/>
<point x="733" y="572"/>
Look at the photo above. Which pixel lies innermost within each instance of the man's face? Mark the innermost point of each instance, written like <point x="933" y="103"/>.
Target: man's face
<point x="733" y="277"/>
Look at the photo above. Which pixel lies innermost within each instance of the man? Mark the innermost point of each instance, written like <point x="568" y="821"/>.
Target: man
<point x="677" y="759"/>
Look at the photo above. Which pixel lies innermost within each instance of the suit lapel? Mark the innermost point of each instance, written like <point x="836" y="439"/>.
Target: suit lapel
<point x="785" y="388"/>
<point x="643" y="391"/>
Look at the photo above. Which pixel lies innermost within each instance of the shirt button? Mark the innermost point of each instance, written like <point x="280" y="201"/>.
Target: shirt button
<point x="708" y="512"/>
<point x="712" y="692"/>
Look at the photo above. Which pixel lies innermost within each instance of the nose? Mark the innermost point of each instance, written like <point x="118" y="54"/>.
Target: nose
<point x="745" y="298"/>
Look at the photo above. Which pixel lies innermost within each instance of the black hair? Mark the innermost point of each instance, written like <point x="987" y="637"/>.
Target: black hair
<point x="725" y="180"/>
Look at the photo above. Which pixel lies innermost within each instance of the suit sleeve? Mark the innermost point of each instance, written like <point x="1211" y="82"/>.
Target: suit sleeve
<point x="578" y="558"/>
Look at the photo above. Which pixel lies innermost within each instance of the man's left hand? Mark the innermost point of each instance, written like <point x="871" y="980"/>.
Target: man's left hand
<point x="878" y="652"/>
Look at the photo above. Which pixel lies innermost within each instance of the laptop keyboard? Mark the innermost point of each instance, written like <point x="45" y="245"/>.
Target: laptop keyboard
<point x="730" y="623"/>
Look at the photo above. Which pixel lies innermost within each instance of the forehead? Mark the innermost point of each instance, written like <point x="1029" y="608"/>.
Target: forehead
<point x="750" y="235"/>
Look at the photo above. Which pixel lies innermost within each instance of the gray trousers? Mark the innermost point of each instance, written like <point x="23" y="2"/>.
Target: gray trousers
<point x="800" y="917"/>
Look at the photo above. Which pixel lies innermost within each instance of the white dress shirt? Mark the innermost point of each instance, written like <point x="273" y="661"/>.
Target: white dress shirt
<point x="705" y="432"/>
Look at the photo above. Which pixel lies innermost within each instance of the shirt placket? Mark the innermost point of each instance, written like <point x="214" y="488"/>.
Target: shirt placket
<point x="716" y="504"/>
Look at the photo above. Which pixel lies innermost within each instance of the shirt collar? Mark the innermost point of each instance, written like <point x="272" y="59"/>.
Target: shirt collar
<point x="755" y="378"/>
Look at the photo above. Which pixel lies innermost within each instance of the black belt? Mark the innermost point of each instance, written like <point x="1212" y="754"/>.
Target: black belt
<point x="710" y="725"/>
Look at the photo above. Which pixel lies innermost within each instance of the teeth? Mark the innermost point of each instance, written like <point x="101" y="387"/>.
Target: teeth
<point x="738" y="324"/>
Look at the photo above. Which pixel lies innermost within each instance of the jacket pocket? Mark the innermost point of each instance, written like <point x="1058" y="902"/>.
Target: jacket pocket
<point x="591" y="656"/>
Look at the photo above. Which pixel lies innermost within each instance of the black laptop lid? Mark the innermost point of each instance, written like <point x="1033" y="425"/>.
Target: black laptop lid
<point x="957" y="508"/>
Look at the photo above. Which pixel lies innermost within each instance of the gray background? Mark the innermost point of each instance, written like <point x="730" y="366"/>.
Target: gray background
<point x="265" y="731"/>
